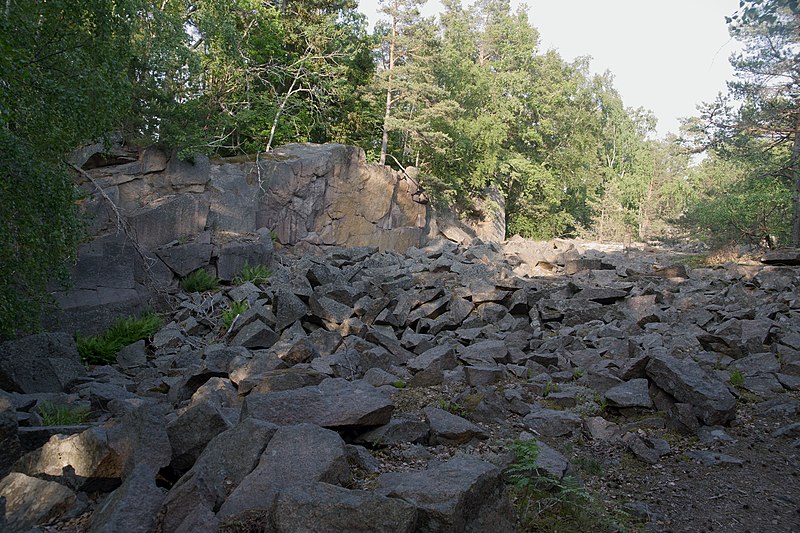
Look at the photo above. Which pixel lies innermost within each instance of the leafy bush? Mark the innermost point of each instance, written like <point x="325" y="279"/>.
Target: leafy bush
<point x="236" y="309"/>
<point x="62" y="415"/>
<point x="102" y="349"/>
<point x="257" y="275"/>
<point x="199" y="281"/>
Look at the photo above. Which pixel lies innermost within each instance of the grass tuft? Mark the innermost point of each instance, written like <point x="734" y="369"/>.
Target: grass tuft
<point x="199" y="281"/>
<point x="257" y="275"/>
<point x="62" y="415"/>
<point x="236" y="309"/>
<point x="737" y="378"/>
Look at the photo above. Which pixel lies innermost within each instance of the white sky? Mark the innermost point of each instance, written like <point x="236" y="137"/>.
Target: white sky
<point x="666" y="55"/>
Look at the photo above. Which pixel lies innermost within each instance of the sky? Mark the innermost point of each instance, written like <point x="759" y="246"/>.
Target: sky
<point x="667" y="56"/>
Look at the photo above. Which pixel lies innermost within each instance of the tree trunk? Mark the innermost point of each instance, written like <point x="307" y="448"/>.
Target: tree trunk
<point x="388" y="112"/>
<point x="795" y="169"/>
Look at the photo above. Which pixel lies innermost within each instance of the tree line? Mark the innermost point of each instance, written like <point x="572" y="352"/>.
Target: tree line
<point x="469" y="98"/>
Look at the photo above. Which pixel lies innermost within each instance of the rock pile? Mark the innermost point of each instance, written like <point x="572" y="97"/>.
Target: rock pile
<point x="374" y="391"/>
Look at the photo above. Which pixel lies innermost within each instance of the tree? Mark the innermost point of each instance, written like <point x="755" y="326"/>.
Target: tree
<point x="63" y="82"/>
<point x="763" y="131"/>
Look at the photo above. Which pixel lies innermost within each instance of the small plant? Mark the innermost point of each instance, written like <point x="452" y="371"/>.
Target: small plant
<point x="62" y="415"/>
<point x="399" y="384"/>
<point x="256" y="275"/>
<point x="550" y="387"/>
<point x="102" y="349"/>
<point x="273" y="235"/>
<point x="236" y="309"/>
<point x="452" y="408"/>
<point x="578" y="373"/>
<point x="545" y="503"/>
<point x="737" y="378"/>
<point x="199" y="281"/>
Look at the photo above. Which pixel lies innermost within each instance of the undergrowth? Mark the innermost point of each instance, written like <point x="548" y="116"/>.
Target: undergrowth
<point x="102" y="349"/>
<point x="547" y="504"/>
<point x="236" y="309"/>
<point x="199" y="281"/>
<point x="62" y="415"/>
<point x="255" y="274"/>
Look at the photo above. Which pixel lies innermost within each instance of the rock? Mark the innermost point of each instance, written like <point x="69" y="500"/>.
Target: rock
<point x="463" y="494"/>
<point x="553" y="423"/>
<point x="183" y="259"/>
<point x="10" y="448"/>
<point x="288" y="308"/>
<point x="599" y="428"/>
<point x="648" y="449"/>
<point x="687" y="382"/>
<point x="234" y="255"/>
<point x="191" y="432"/>
<point x="450" y="429"/>
<point x="45" y="362"/>
<point x="397" y="431"/>
<point x="325" y="507"/>
<point x="334" y="403"/>
<point x="255" y="335"/>
<point x="479" y="376"/>
<point x="224" y="463"/>
<point x="785" y="256"/>
<point x="30" y="502"/>
<point x="280" y="380"/>
<point x="791" y="431"/>
<point x="86" y="460"/>
<point x="139" y="434"/>
<point x="633" y="393"/>
<point x="296" y="455"/>
<point x="132" y="355"/>
<point x="132" y="507"/>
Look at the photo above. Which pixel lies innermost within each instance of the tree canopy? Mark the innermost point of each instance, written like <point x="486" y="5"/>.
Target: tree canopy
<point x="470" y="99"/>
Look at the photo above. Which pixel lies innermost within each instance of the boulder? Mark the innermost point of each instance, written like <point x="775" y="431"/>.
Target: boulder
<point x="10" y="448"/>
<point x="296" y="455"/>
<point x="325" y="507"/>
<point x="450" y="429"/>
<point x="334" y="403"/>
<point x="224" y="463"/>
<point x="464" y="494"/>
<point x="30" y="501"/>
<point x="191" y="432"/>
<point x="688" y="383"/>
<point x="45" y="362"/>
<point x="633" y="393"/>
<point x="132" y="507"/>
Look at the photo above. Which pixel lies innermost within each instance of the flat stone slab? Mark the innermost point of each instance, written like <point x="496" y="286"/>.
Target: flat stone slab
<point x="333" y="403"/>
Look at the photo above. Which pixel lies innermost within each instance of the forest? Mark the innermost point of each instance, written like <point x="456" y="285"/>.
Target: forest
<point x="470" y="99"/>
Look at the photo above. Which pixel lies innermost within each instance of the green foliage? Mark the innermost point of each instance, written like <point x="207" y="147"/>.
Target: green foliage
<point x="64" y="82"/>
<point x="550" y="387"/>
<point x="230" y="314"/>
<point x="199" y="281"/>
<point x="736" y="378"/>
<point x="545" y="503"/>
<point x="452" y="408"/>
<point x="102" y="349"/>
<point x="257" y="274"/>
<point x="62" y="415"/>
<point x="399" y="384"/>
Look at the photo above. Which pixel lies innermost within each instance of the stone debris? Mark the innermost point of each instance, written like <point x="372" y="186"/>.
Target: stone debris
<point x="432" y="359"/>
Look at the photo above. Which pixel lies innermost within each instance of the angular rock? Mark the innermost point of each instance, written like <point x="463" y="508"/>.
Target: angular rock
<point x="334" y="403"/>
<point x="709" y="458"/>
<point x="132" y="507"/>
<point x="30" y="501"/>
<point x="687" y="382"/>
<point x="192" y="431"/>
<point x="553" y="423"/>
<point x="296" y="455"/>
<point x="288" y="308"/>
<point x="224" y="463"/>
<point x="10" y="448"/>
<point x="479" y="376"/>
<point x="86" y="460"/>
<point x="450" y="429"/>
<point x="325" y="507"/>
<point x="255" y="335"/>
<point x="465" y="494"/>
<point x="45" y="362"/>
<point x="785" y="256"/>
<point x="281" y="379"/>
<point x="633" y="393"/>
<point x="397" y="431"/>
